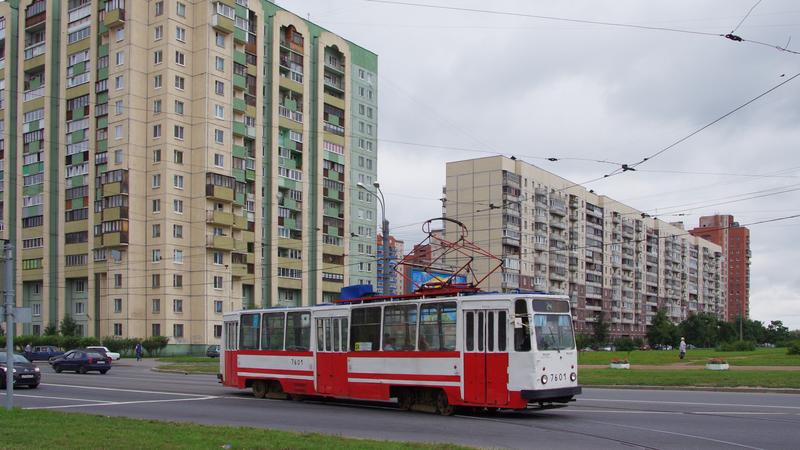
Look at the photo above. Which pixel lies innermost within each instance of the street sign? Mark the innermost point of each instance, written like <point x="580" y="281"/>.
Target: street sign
<point x="23" y="315"/>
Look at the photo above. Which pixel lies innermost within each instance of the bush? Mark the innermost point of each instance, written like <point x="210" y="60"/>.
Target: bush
<point x="89" y="341"/>
<point x="120" y="345"/>
<point x="625" y="344"/>
<point x="737" y="346"/>
<point x="794" y="348"/>
<point x="155" y="344"/>
<point x="582" y="341"/>
<point x="69" y="342"/>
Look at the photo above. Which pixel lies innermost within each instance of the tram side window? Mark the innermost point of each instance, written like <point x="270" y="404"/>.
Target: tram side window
<point x="365" y="332"/>
<point x="400" y="327"/>
<point x="298" y="331"/>
<point x="249" y="331"/>
<point x="272" y="331"/>
<point x="332" y="334"/>
<point x="522" y="335"/>
<point x="437" y="329"/>
<point x="231" y="334"/>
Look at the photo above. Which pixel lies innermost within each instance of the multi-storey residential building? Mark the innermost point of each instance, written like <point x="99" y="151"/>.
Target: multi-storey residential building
<point x="735" y="242"/>
<point x="556" y="236"/>
<point x="393" y="255"/>
<point x="167" y="161"/>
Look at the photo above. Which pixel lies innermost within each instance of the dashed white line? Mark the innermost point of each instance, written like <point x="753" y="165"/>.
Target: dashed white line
<point x="685" y="403"/>
<point x="123" y="390"/>
<point x="58" y="398"/>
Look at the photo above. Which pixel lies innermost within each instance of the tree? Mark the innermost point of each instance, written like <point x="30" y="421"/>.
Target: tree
<point x="51" y="330"/>
<point x="661" y="330"/>
<point x="600" y="330"/>
<point x="777" y="333"/>
<point x="68" y="326"/>
<point x="701" y="329"/>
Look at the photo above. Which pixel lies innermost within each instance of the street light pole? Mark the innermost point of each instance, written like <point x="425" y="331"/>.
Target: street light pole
<point x="8" y="258"/>
<point x="384" y="232"/>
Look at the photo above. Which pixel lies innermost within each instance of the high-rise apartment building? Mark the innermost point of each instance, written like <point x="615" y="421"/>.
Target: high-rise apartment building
<point x="393" y="255"/>
<point x="164" y="162"/>
<point x="556" y="236"/>
<point x="735" y="242"/>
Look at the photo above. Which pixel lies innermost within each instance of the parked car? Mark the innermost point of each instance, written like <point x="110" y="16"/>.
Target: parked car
<point x="82" y="360"/>
<point x="25" y="372"/>
<point x="113" y="355"/>
<point x="43" y="353"/>
<point x="213" y="351"/>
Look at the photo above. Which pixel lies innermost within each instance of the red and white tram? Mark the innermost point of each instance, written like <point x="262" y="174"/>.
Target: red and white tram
<point x="478" y="350"/>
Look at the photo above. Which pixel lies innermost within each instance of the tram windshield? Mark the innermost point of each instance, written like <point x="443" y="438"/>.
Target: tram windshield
<point x="553" y="332"/>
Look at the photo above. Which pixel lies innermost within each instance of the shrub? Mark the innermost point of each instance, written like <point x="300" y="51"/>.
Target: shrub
<point x="794" y="348"/>
<point x="113" y="344"/>
<point x="69" y="342"/>
<point x="625" y="344"/>
<point x="89" y="341"/>
<point x="620" y="361"/>
<point x="737" y="346"/>
<point x="716" y="361"/>
<point x="153" y="345"/>
<point x="582" y="341"/>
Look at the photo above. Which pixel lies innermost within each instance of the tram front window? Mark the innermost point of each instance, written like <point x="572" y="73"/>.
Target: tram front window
<point x="553" y="332"/>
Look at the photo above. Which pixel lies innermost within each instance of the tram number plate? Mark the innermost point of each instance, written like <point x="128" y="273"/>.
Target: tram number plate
<point x="557" y="377"/>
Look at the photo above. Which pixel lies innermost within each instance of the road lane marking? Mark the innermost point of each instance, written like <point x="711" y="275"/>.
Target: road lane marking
<point x="135" y="402"/>
<point x="639" y="411"/>
<point x="122" y="390"/>
<point x="675" y="433"/>
<point x="686" y="403"/>
<point x="58" y="398"/>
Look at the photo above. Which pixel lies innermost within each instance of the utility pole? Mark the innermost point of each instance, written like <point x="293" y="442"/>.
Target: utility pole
<point x="8" y="291"/>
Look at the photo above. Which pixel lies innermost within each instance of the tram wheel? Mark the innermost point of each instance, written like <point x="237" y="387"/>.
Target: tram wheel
<point x="259" y="389"/>
<point x="443" y="406"/>
<point x="405" y="400"/>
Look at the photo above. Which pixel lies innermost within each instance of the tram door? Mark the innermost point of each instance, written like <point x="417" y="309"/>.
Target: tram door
<point x="485" y="357"/>
<point x="332" y="355"/>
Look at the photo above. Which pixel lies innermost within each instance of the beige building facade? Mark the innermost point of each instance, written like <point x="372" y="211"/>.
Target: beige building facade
<point x="164" y="162"/>
<point x="555" y="236"/>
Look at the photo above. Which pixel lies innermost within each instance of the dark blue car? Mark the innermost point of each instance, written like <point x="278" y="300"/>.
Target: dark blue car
<point x="81" y="361"/>
<point x="43" y="353"/>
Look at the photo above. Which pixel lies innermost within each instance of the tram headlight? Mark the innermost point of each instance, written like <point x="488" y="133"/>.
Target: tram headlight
<point x="543" y="379"/>
<point x="573" y="377"/>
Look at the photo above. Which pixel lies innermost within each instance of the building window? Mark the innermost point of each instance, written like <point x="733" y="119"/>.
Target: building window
<point x="178" y="107"/>
<point x="218" y="258"/>
<point x="117" y="305"/>
<point x="219" y="87"/>
<point x="156" y="230"/>
<point x="219" y="63"/>
<point x="177" y="305"/>
<point x="158" y="32"/>
<point x="155" y="280"/>
<point x="156" y="329"/>
<point x="118" y="106"/>
<point x="217" y="331"/>
<point x="218" y="282"/>
<point x="177" y="330"/>
<point x="80" y="308"/>
<point x="177" y="181"/>
<point x="219" y="136"/>
<point x="218" y="306"/>
<point x="118" y="132"/>
<point x="117" y="280"/>
<point x="117" y="329"/>
<point x="156" y="106"/>
<point x="156" y="306"/>
<point x="180" y="82"/>
<point x="156" y="131"/>
<point x="156" y="255"/>
<point x="177" y="157"/>
<point x="117" y="156"/>
<point x="156" y="181"/>
<point x="157" y="81"/>
<point x="158" y="57"/>
<point x="36" y="309"/>
<point x="157" y="155"/>
<point x="120" y="34"/>
<point x="177" y="280"/>
<point x="180" y="34"/>
<point x="159" y="8"/>
<point x="177" y="206"/>
<point x="219" y="160"/>
<point x="177" y="132"/>
<point x="181" y="11"/>
<point x="177" y="256"/>
<point x="156" y="205"/>
<point x="119" y="58"/>
<point x="220" y="39"/>
<point x="180" y="58"/>
<point x="177" y="231"/>
<point x="119" y="82"/>
<point x="219" y="111"/>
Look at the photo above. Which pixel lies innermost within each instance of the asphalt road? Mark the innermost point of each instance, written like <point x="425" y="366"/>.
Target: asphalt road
<point x="601" y="418"/>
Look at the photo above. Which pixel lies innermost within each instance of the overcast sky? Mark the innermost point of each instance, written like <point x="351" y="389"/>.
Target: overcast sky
<point x="463" y="85"/>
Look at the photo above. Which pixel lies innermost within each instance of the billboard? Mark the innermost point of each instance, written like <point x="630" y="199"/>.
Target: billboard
<point x="420" y="277"/>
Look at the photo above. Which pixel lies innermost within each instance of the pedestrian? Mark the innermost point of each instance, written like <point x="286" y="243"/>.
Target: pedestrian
<point x="682" y="348"/>
<point x="138" y="351"/>
<point x="28" y="350"/>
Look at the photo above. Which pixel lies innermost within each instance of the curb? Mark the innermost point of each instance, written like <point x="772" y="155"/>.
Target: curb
<point x="697" y="388"/>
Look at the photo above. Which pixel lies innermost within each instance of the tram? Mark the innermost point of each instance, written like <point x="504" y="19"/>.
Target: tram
<point x="429" y="352"/>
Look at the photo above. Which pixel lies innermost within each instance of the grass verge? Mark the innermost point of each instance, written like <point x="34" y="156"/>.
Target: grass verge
<point x="187" y="359"/>
<point x="68" y="430"/>
<point x="683" y="378"/>
<point x="212" y="368"/>
<point x="759" y="357"/>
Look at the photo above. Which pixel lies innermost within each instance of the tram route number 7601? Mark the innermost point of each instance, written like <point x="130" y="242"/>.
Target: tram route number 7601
<point x="558" y="377"/>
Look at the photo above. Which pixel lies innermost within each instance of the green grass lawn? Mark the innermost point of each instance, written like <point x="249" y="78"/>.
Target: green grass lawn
<point x="69" y="430"/>
<point x="187" y="359"/>
<point x="212" y="368"/>
<point x="759" y="357"/>
<point x="683" y="378"/>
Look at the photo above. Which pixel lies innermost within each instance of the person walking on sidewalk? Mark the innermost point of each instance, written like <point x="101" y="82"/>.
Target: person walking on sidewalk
<point x="138" y="351"/>
<point x="682" y="348"/>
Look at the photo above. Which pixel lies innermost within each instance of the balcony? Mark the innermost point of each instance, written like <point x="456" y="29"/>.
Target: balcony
<point x="335" y="129"/>
<point x="219" y="242"/>
<point x="35" y="50"/>
<point x="219" y="217"/>
<point x="219" y="193"/>
<point x="238" y="270"/>
<point x="33" y="94"/>
<point x="223" y="24"/>
<point x="114" y="18"/>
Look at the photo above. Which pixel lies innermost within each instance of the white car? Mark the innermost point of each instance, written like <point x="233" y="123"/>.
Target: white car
<point x="113" y="355"/>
